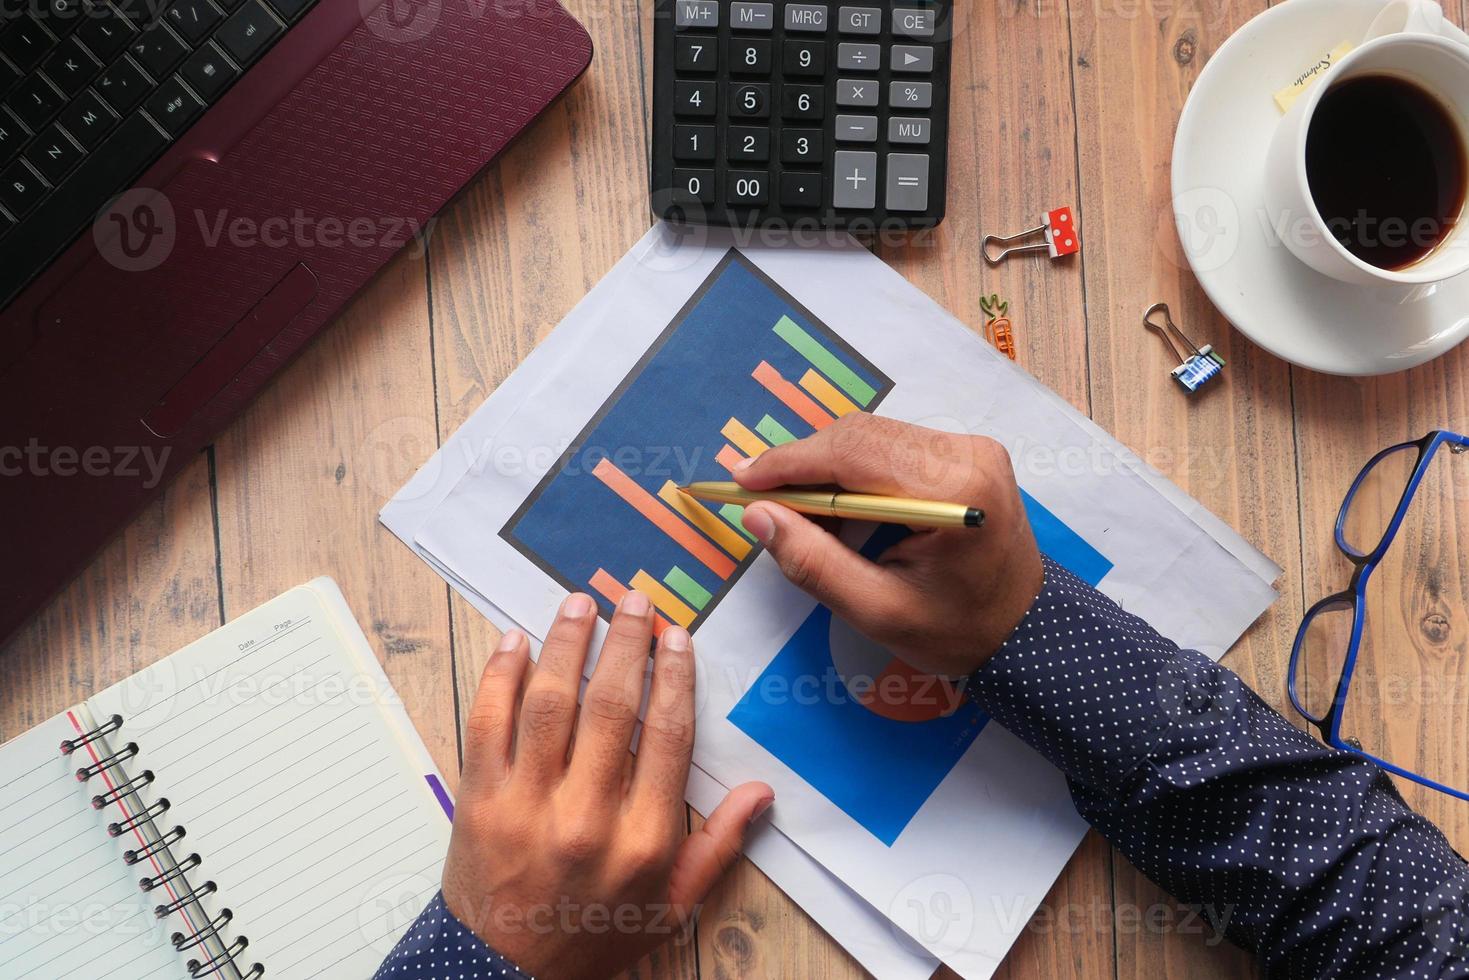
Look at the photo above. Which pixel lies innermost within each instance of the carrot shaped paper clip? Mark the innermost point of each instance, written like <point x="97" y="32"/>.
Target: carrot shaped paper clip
<point x="998" y="329"/>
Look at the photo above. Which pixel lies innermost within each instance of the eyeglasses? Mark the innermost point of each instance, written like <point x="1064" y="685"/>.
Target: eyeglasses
<point x="1330" y="636"/>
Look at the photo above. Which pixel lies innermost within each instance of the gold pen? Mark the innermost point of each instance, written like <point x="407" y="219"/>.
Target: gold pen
<point x="850" y="506"/>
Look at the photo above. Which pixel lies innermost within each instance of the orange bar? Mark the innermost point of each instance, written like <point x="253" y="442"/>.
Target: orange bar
<point x="699" y="516"/>
<point x="613" y="591"/>
<point x="794" y="398"/>
<point x="729" y="457"/>
<point x="663" y="519"/>
<point x="827" y="394"/>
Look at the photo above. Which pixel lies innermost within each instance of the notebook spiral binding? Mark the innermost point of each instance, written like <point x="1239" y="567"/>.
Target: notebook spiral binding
<point x="215" y="957"/>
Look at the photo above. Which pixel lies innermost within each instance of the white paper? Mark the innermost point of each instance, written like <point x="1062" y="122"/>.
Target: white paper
<point x="971" y="866"/>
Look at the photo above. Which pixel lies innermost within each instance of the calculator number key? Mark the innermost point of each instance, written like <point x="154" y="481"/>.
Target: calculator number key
<point x="749" y="144"/>
<point x="802" y="102"/>
<point x="699" y="55"/>
<point x="747" y="188"/>
<point x="693" y="143"/>
<point x="749" y="56"/>
<point x="800" y="146"/>
<point x="695" y="98"/>
<point x="805" y="59"/>
<point x="750" y="101"/>
<point x="693" y="187"/>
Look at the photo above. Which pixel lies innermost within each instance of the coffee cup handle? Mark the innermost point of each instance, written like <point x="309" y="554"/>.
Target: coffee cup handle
<point x="1414" y="17"/>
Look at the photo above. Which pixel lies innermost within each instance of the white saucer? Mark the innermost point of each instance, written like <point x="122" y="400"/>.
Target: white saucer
<point x="1266" y="292"/>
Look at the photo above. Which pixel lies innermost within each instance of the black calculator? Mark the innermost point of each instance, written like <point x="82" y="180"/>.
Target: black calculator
<point x="785" y="114"/>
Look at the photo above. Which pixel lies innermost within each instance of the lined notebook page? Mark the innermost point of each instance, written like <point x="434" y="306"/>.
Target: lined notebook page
<point x="278" y="744"/>
<point x="67" y="902"/>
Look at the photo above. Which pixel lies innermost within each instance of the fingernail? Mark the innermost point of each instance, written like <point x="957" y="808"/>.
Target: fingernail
<point x="744" y="464"/>
<point x="634" y="604"/>
<point x="676" y="639"/>
<point x="509" y="641"/>
<point x="761" y="807"/>
<point x="758" y="523"/>
<point x="577" y="605"/>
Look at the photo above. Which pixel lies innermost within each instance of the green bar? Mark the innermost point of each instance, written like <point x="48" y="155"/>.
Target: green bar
<point x="734" y="514"/>
<point x="774" y="433"/>
<point x="825" y="361"/>
<point x="690" y="591"/>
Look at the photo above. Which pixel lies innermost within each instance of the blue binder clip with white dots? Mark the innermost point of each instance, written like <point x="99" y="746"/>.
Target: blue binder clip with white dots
<point x="1195" y="371"/>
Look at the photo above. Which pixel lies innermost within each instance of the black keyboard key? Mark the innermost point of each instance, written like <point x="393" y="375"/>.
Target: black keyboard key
<point x="692" y="187"/>
<point x="70" y="67"/>
<point x="53" y="154"/>
<point x="11" y="137"/>
<point x="123" y="86"/>
<point x="800" y="146"/>
<point x="20" y="189"/>
<point x="209" y="72"/>
<point x="750" y="101"/>
<point x="803" y="103"/>
<point x="749" y="144"/>
<point x="35" y="102"/>
<point x="88" y="119"/>
<point x="693" y="143"/>
<point x="158" y="51"/>
<point x="105" y="31"/>
<point x="63" y="214"/>
<point x="247" y="32"/>
<point x="695" y="99"/>
<point x="24" y="42"/>
<point x="749" y="56"/>
<point x="805" y="59"/>
<point x="8" y="76"/>
<point x="800" y="190"/>
<point x="61" y="17"/>
<point x="696" y="54"/>
<point x="746" y="188"/>
<point x="193" y="19"/>
<point x="289" y="10"/>
<point x="173" y="107"/>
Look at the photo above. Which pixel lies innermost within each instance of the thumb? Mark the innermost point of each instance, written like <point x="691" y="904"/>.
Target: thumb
<point x="709" y="852"/>
<point x="863" y="593"/>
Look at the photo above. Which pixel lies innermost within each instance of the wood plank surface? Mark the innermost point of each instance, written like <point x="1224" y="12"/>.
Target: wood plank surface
<point x="1055" y="102"/>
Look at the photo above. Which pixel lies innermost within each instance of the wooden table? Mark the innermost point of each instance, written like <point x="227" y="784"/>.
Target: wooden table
<point x="1055" y="102"/>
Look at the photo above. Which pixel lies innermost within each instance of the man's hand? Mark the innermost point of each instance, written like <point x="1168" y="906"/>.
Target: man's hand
<point x="943" y="601"/>
<point x="569" y="856"/>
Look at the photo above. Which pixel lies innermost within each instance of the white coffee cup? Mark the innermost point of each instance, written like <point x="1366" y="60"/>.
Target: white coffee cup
<point x="1410" y="39"/>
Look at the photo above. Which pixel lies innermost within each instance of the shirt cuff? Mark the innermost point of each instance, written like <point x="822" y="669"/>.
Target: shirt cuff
<point x="1095" y="689"/>
<point x="440" y="947"/>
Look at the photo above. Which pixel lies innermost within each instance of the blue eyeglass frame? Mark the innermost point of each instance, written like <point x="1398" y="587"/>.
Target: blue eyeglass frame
<point x="1355" y="597"/>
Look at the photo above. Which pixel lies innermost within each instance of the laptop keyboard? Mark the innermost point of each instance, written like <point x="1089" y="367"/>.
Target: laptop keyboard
<point x="94" y="91"/>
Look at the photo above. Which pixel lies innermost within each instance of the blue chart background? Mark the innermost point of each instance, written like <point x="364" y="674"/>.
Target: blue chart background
<point x="663" y="424"/>
<point x="878" y="771"/>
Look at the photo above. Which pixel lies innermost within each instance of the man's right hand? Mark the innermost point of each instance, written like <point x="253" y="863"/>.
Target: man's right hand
<point x="944" y="601"/>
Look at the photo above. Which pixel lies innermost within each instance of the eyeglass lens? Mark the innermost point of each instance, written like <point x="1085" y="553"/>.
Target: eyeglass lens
<point x="1376" y="500"/>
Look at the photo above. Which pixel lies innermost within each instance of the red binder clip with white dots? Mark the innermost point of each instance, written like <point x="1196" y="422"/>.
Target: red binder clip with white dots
<point x="1061" y="239"/>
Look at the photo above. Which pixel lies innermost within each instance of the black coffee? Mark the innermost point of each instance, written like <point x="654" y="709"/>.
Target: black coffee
<point x="1387" y="168"/>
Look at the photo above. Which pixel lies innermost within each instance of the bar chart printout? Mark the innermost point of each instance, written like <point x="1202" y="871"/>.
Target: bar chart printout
<point x="741" y="368"/>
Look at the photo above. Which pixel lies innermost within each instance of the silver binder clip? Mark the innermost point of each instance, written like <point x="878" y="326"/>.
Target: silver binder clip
<point x="1198" y="369"/>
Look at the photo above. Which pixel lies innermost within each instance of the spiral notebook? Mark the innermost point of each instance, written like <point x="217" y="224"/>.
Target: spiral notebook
<point x="256" y="805"/>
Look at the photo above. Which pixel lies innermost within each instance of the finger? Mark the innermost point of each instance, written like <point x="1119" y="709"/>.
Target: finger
<point x="610" y="708"/>
<point x="548" y="711"/>
<point x="709" y="852"/>
<point x="867" y="595"/>
<point x="853" y="452"/>
<point x="666" y="744"/>
<point x="490" y="732"/>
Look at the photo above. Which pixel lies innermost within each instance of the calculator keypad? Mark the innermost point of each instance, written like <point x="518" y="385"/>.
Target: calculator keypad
<point x="782" y="112"/>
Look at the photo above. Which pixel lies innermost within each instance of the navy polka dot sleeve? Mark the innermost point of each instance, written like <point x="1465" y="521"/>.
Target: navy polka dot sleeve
<point x="1303" y="854"/>
<point x="440" y="947"/>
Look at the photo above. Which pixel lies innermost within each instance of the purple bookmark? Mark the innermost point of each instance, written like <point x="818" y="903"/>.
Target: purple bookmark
<point x="441" y="793"/>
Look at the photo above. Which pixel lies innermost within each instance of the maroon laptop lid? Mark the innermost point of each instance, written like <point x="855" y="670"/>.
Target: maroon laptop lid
<point x="154" y="329"/>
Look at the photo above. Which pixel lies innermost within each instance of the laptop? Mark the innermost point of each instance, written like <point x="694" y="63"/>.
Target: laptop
<point x="189" y="191"/>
